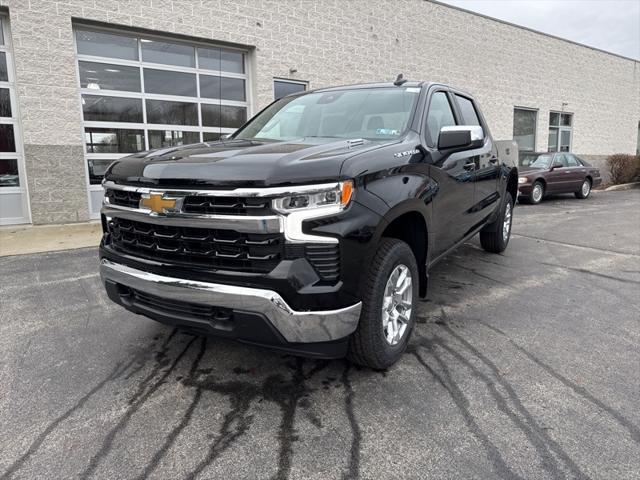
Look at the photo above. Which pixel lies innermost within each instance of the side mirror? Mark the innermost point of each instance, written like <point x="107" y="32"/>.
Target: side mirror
<point x="556" y="165"/>
<point x="460" y="137"/>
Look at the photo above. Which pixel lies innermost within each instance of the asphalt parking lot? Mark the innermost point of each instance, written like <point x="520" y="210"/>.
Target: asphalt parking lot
<point x="523" y="365"/>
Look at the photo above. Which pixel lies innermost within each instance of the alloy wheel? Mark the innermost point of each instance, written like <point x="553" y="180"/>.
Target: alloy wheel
<point x="397" y="304"/>
<point x="537" y="193"/>
<point x="586" y="188"/>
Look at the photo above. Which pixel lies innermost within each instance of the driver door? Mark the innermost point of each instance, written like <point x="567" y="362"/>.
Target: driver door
<point x="454" y="174"/>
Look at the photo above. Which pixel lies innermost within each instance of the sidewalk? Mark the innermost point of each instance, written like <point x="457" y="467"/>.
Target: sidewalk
<point x="22" y="239"/>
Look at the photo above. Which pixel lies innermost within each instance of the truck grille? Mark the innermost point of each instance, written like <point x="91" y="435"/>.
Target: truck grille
<point x="123" y="198"/>
<point x="220" y="249"/>
<point x="200" y="204"/>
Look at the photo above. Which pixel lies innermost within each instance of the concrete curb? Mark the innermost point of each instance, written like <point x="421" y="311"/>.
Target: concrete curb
<point x="623" y="186"/>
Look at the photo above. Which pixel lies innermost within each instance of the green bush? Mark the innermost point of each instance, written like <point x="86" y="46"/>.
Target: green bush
<point x="623" y="168"/>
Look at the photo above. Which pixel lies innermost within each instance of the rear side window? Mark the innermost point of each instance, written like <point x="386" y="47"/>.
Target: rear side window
<point x="468" y="111"/>
<point x="572" y="160"/>
<point x="439" y="115"/>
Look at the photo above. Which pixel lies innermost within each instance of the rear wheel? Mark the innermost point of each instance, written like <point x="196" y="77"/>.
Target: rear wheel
<point x="537" y="192"/>
<point x="585" y="189"/>
<point x="496" y="236"/>
<point x="389" y="300"/>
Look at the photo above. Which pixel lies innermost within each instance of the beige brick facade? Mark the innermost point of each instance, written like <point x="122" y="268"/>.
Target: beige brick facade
<point x="326" y="43"/>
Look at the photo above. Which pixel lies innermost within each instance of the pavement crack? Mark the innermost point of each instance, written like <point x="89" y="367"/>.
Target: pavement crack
<point x="135" y="403"/>
<point x="591" y="272"/>
<point x="633" y="430"/>
<point x="537" y="435"/>
<point x="356" y="434"/>
<point x="116" y="373"/>
<point x="498" y="463"/>
<point x="186" y="418"/>
<point x="481" y="275"/>
<point x="571" y="245"/>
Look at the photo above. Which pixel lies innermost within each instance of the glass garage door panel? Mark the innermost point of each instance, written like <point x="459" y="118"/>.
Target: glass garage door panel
<point x="13" y="196"/>
<point x="143" y="92"/>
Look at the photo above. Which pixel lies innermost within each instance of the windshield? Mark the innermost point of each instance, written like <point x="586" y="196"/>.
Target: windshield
<point x="543" y="161"/>
<point x="370" y="113"/>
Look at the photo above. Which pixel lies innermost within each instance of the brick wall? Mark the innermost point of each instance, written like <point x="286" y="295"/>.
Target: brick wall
<point x="328" y="43"/>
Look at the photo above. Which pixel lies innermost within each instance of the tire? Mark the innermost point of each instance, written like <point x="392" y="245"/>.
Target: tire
<point x="369" y="344"/>
<point x="585" y="189"/>
<point x="497" y="234"/>
<point x="536" y="198"/>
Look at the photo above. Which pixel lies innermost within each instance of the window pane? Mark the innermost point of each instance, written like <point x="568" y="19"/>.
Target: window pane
<point x="1" y="33"/>
<point x="209" y="86"/>
<point x="103" y="76"/>
<point x="553" y="140"/>
<point x="233" y="89"/>
<point x="565" y="140"/>
<point x="282" y="89"/>
<point x="210" y="115"/>
<point x="554" y="119"/>
<point x="169" y="83"/>
<point x="223" y="116"/>
<point x="571" y="160"/>
<point x="113" y="140"/>
<point x="9" y="173"/>
<point x="97" y="169"/>
<point x="440" y="115"/>
<point x="231" y="61"/>
<point x="232" y="117"/>
<point x="211" y="136"/>
<point x="7" y="141"/>
<point x="171" y="138"/>
<point x="111" y="109"/>
<point x="4" y="77"/>
<point x="524" y="129"/>
<point x="565" y="119"/>
<point x="222" y="87"/>
<point x="468" y="111"/>
<point x="5" y="103"/>
<point x="172" y="113"/>
<point x="106" y="45"/>
<point x="209" y="58"/>
<point x="169" y="53"/>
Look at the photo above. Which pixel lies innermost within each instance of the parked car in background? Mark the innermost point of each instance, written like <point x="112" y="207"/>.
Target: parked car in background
<point x="553" y="173"/>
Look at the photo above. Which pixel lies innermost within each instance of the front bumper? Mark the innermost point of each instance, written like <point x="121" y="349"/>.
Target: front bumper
<point x="291" y="326"/>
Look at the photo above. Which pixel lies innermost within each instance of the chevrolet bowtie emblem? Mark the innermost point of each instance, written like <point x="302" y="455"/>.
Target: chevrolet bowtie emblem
<point x="157" y="203"/>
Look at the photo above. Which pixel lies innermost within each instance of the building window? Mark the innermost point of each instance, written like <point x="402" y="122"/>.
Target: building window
<point x="282" y="88"/>
<point x="524" y="130"/>
<point x="560" y="125"/>
<point x="140" y="92"/>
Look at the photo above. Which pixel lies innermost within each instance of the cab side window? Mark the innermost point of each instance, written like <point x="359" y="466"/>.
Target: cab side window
<point x="440" y="115"/>
<point x="468" y="111"/>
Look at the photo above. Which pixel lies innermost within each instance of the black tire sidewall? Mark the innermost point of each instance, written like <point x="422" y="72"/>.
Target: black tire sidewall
<point x="390" y="254"/>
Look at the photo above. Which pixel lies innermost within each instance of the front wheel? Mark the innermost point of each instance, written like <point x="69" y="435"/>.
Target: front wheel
<point x="585" y="189"/>
<point x="496" y="236"/>
<point x="389" y="300"/>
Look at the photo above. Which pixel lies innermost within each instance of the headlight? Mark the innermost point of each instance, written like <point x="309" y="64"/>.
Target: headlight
<point x="523" y="179"/>
<point x="315" y="196"/>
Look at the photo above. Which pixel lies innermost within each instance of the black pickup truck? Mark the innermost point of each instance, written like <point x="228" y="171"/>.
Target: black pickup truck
<point x="312" y="228"/>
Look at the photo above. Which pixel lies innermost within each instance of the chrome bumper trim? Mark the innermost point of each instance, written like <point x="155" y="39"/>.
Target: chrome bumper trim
<point x="294" y="326"/>
<point x="239" y="223"/>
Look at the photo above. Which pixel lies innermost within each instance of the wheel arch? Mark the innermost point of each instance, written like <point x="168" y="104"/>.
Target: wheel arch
<point x="408" y="224"/>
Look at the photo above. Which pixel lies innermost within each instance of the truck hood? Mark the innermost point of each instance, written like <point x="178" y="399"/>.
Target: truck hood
<point x="240" y="163"/>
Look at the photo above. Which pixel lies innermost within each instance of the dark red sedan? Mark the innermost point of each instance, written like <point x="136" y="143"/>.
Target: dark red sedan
<point x="553" y="173"/>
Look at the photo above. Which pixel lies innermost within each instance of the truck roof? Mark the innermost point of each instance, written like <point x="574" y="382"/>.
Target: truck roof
<point x="418" y="84"/>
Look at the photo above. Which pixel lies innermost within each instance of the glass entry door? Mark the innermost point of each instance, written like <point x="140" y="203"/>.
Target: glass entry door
<point x="14" y="207"/>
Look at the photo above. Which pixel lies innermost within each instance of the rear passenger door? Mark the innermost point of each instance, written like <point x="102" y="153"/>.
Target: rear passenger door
<point x="485" y="159"/>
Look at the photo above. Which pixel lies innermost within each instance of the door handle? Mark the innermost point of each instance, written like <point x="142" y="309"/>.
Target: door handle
<point x="469" y="166"/>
